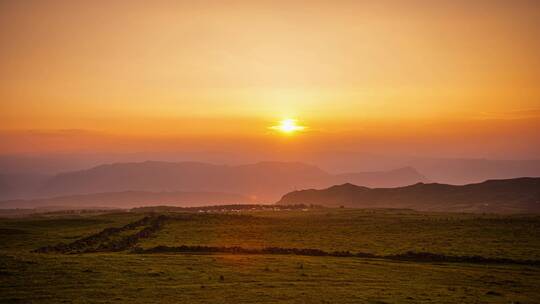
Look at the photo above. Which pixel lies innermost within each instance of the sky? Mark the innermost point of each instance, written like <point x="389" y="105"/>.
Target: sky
<point x="433" y="78"/>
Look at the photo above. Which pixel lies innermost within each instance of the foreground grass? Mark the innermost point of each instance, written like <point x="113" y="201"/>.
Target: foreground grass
<point x="120" y="277"/>
<point x="225" y="278"/>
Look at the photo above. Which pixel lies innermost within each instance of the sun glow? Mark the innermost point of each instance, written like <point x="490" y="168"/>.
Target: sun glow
<point x="288" y="126"/>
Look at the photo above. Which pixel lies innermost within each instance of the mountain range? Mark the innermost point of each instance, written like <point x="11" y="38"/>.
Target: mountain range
<point x="264" y="181"/>
<point x="442" y="170"/>
<point x="194" y="183"/>
<point x="520" y="195"/>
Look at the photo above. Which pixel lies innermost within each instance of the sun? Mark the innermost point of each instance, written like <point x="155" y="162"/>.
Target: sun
<point x="288" y="126"/>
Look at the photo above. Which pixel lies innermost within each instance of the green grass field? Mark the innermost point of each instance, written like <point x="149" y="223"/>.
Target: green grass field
<point x="111" y="277"/>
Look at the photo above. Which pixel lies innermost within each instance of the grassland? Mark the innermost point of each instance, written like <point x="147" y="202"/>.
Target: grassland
<point x="372" y="231"/>
<point x="107" y="277"/>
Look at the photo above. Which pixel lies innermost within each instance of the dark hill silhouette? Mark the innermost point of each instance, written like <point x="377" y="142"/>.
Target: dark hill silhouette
<point x="383" y="179"/>
<point x="130" y="199"/>
<point x="501" y="196"/>
<point x="265" y="181"/>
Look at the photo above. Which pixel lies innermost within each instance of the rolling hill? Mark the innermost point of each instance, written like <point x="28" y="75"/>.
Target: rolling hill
<point x="501" y="196"/>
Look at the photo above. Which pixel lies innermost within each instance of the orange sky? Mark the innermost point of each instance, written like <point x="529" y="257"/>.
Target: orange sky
<point x="361" y="74"/>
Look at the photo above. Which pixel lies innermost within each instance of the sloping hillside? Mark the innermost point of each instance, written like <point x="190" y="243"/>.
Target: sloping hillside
<point x="507" y="196"/>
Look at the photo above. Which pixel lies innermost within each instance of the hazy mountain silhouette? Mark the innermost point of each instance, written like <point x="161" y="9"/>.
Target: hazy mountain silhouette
<point x="441" y="170"/>
<point x="129" y="199"/>
<point x="511" y="195"/>
<point x="264" y="181"/>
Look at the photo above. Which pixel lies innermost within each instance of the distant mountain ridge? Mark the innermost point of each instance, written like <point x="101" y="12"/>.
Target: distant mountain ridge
<point x="501" y="196"/>
<point x="443" y="170"/>
<point x="24" y="176"/>
<point x="264" y="181"/>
